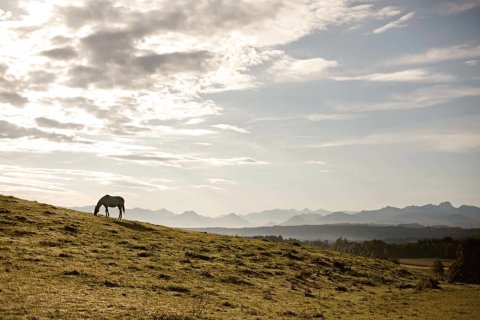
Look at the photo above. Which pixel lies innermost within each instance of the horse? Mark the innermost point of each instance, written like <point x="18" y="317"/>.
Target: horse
<point x="110" y="201"/>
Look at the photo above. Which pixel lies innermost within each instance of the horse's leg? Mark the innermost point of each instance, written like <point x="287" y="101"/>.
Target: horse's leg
<point x="120" y="212"/>
<point x="106" y="212"/>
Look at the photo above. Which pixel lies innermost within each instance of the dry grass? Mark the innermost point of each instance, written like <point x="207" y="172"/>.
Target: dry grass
<point x="62" y="264"/>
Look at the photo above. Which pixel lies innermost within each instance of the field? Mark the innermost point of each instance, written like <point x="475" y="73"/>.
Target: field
<point x="424" y="262"/>
<point x="62" y="264"/>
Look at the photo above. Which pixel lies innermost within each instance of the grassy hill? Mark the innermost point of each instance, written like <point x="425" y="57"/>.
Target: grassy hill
<point x="63" y="264"/>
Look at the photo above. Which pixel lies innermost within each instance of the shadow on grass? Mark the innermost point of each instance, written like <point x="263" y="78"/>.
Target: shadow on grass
<point x="133" y="226"/>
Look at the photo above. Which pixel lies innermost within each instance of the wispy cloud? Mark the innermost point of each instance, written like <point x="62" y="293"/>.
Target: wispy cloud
<point x="419" y="98"/>
<point x="458" y="6"/>
<point x="288" y="69"/>
<point x="333" y="116"/>
<point x="230" y="127"/>
<point x="172" y="160"/>
<point x="221" y="181"/>
<point x="411" y="75"/>
<point x="10" y="130"/>
<point x="399" y="23"/>
<point x="274" y="119"/>
<point x="52" y="123"/>
<point x="434" y="55"/>
<point x="311" y="117"/>
<point x="59" y="180"/>
<point x="434" y="141"/>
<point x="316" y="162"/>
<point x="194" y="121"/>
<point x="207" y="187"/>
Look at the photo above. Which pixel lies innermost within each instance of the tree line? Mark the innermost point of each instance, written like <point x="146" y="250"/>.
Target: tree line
<point x="466" y="253"/>
<point x="445" y="248"/>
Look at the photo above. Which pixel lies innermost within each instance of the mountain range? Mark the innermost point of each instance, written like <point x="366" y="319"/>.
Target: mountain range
<point x="402" y="233"/>
<point x="444" y="214"/>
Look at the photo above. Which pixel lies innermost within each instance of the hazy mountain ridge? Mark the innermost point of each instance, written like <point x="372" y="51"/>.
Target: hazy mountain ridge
<point x="428" y="215"/>
<point x="354" y="232"/>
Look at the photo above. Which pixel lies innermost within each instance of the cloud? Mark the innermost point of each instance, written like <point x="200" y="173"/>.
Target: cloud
<point x="64" y="53"/>
<point x="58" y="180"/>
<point x="471" y="62"/>
<point x="12" y="131"/>
<point x="411" y="75"/>
<point x="312" y="117"/>
<point x="84" y="76"/>
<point x="206" y="186"/>
<point x="109" y="46"/>
<point x="51" y="123"/>
<point x="316" y="162"/>
<point x="434" y="55"/>
<point x="40" y="80"/>
<point x="168" y="130"/>
<point x="143" y="114"/>
<point x="13" y="98"/>
<point x="332" y="116"/>
<point x="435" y="141"/>
<point x="399" y="23"/>
<point x="230" y="127"/>
<point x="194" y="121"/>
<point x="221" y="181"/>
<point x="458" y="6"/>
<point x="420" y="98"/>
<point x="11" y="10"/>
<point x="288" y="69"/>
<point x="5" y="15"/>
<point x="180" y="160"/>
<point x="164" y="57"/>
<point x="176" y="62"/>
<point x="92" y="11"/>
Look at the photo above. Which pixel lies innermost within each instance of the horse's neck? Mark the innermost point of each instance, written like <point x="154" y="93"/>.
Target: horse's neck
<point x="102" y="201"/>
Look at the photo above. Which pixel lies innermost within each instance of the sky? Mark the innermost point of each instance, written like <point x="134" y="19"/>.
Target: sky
<point x="241" y="106"/>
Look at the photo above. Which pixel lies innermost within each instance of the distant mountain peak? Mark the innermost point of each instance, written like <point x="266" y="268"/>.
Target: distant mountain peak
<point x="231" y="214"/>
<point x="390" y="207"/>
<point x="189" y="213"/>
<point x="446" y="205"/>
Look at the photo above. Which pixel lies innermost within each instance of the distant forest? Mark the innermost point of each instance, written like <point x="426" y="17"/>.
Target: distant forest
<point x="445" y="248"/>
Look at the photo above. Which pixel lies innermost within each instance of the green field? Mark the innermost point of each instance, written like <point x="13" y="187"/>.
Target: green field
<point x="62" y="264"/>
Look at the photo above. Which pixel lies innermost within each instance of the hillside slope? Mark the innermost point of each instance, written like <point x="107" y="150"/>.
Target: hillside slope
<point x="63" y="264"/>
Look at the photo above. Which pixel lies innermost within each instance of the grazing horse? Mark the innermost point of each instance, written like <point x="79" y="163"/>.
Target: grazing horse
<point x="110" y="201"/>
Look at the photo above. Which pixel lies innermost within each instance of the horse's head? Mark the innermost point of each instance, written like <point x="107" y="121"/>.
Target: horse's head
<point x="97" y="208"/>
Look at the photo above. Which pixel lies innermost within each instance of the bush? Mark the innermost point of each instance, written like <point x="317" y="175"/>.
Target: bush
<point x="437" y="269"/>
<point x="393" y="260"/>
<point x="427" y="283"/>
